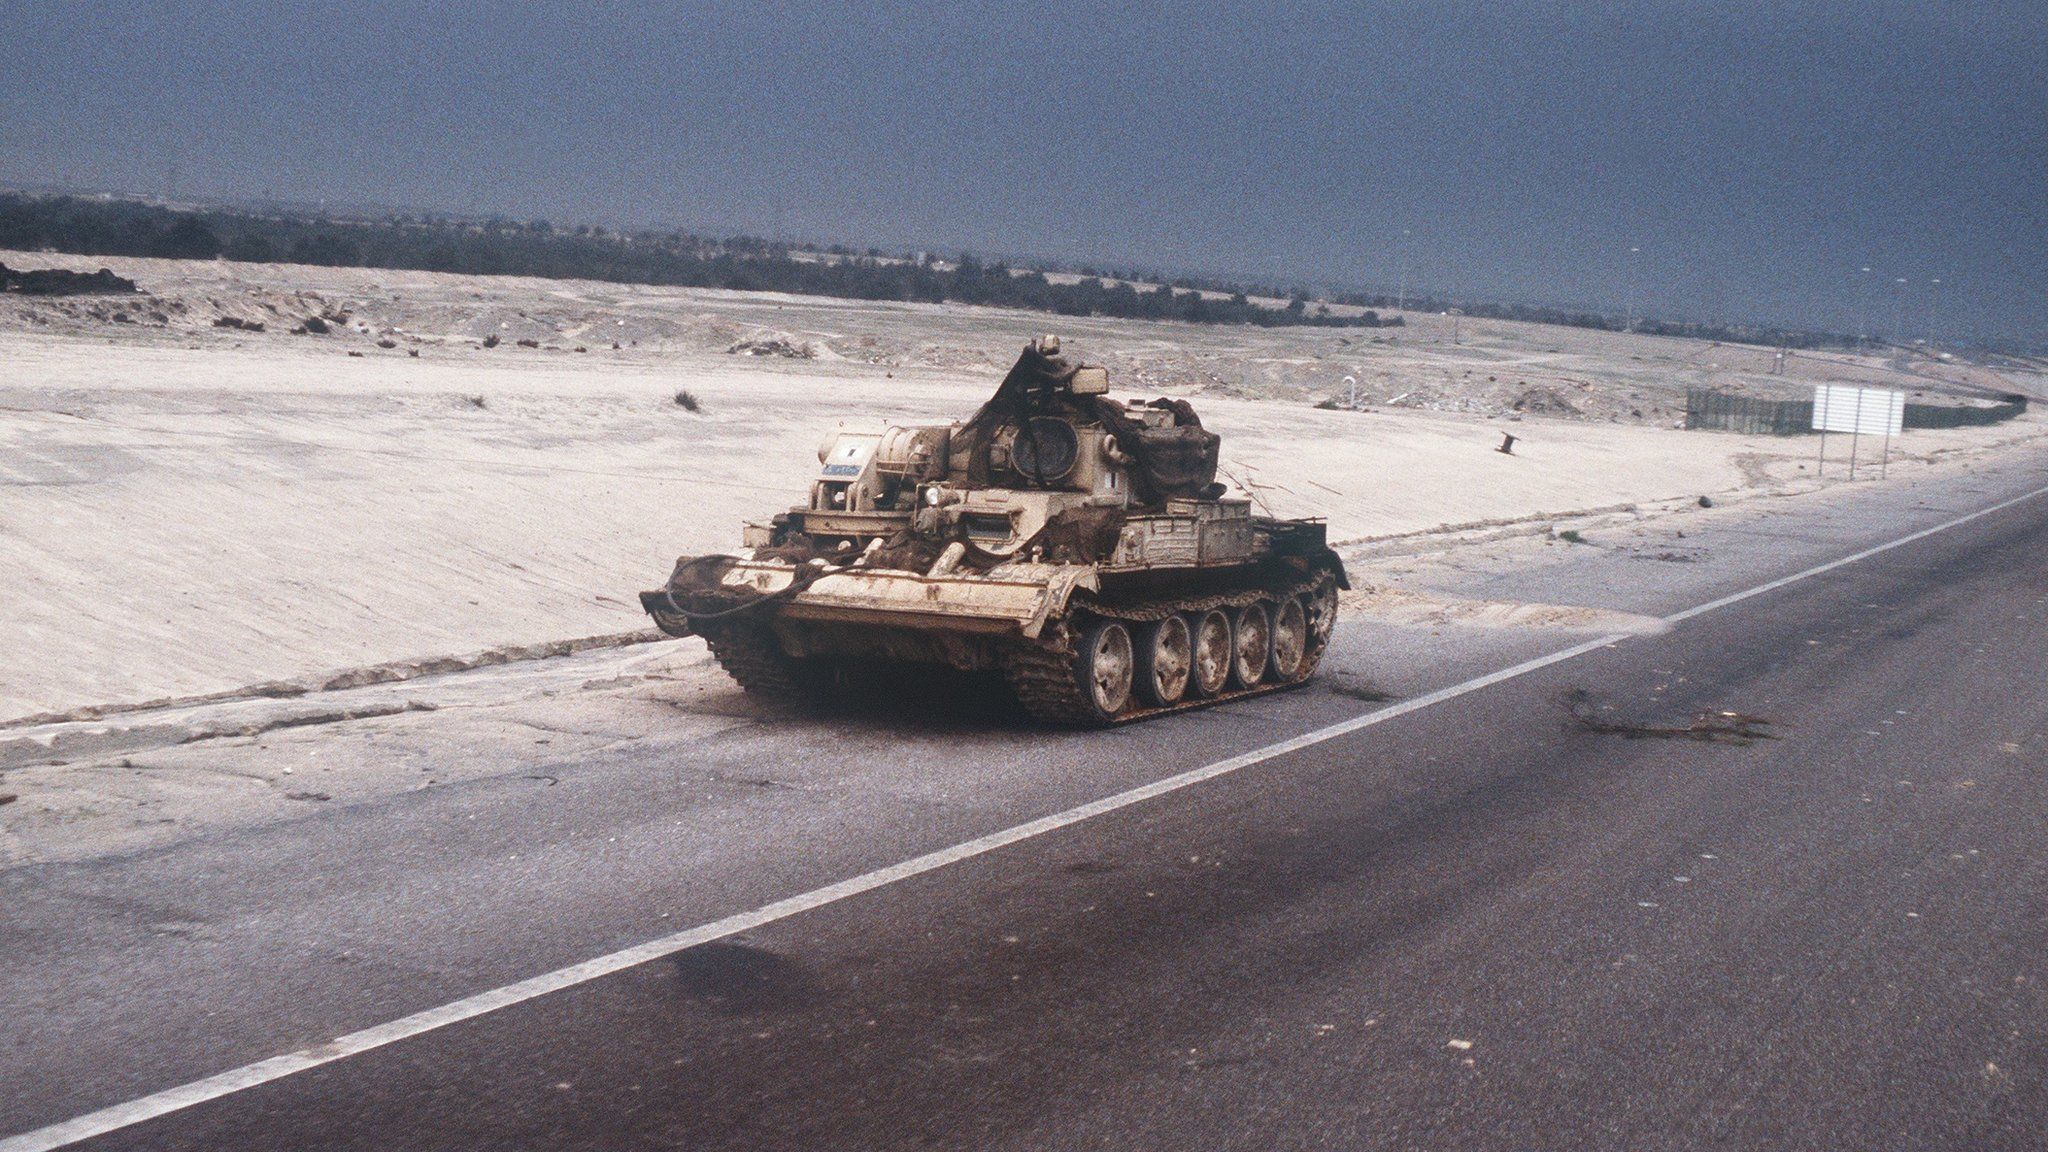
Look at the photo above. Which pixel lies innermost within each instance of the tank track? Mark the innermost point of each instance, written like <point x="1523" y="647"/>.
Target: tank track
<point x="750" y="654"/>
<point x="1042" y="675"/>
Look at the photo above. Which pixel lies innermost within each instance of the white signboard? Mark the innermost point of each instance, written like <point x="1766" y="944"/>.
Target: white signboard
<point x="1870" y="411"/>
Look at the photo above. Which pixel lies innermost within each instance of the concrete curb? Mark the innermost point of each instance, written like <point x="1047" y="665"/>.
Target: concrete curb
<point x="391" y="672"/>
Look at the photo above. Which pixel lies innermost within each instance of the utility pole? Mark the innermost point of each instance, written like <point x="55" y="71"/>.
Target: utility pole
<point x="1863" y="308"/>
<point x="1628" y="323"/>
<point x="1933" y="301"/>
<point x="1401" y="300"/>
<point x="1899" y="330"/>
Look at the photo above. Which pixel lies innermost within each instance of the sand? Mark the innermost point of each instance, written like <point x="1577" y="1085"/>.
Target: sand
<point x="189" y="509"/>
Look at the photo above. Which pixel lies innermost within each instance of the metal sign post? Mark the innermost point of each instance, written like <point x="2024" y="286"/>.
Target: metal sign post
<point x="1884" y="467"/>
<point x="1878" y="411"/>
<point x="1856" y="436"/>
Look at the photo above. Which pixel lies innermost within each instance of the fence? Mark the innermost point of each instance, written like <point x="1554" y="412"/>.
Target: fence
<point x="1951" y="416"/>
<point x="1719" y="411"/>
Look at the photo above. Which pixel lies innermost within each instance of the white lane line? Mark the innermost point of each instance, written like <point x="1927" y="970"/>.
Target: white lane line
<point x="213" y="1087"/>
<point x="1830" y="566"/>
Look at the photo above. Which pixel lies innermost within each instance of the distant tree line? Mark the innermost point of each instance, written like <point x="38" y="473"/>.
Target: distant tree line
<point x="96" y="227"/>
<point x="1765" y="334"/>
<point x="538" y="248"/>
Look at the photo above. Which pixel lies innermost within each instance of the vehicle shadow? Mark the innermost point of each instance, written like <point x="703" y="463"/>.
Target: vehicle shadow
<point x="738" y="979"/>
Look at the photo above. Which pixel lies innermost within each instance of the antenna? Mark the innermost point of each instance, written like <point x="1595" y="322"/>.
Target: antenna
<point x="1251" y="488"/>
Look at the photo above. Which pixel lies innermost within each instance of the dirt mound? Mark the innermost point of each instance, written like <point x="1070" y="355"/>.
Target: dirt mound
<point x="1544" y="402"/>
<point x="58" y="282"/>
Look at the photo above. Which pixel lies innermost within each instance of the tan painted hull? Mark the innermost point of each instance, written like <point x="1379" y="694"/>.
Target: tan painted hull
<point x="1009" y="600"/>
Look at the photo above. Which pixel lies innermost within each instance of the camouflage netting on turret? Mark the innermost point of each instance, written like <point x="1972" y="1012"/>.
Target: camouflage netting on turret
<point x="1174" y="461"/>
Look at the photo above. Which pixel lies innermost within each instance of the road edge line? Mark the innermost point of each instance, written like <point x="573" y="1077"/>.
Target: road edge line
<point x="144" y="1108"/>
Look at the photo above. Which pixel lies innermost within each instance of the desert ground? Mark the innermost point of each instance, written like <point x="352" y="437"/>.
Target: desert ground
<point x="194" y="509"/>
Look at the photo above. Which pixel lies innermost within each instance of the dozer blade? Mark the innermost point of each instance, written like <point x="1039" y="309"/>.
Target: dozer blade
<point x="1012" y="599"/>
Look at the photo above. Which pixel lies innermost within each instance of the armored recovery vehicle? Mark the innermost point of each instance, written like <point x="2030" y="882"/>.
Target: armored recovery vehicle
<point x="1078" y="544"/>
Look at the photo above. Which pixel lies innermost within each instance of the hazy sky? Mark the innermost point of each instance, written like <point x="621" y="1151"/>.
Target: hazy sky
<point x="1759" y="155"/>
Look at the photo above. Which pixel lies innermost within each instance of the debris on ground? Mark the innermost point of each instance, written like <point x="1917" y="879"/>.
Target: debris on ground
<point x="1711" y="727"/>
<point x="773" y="344"/>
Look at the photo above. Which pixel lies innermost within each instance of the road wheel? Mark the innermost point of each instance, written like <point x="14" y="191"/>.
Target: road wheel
<point x="1103" y="668"/>
<point x="1321" y="604"/>
<point x="1290" y="640"/>
<point x="1163" y="660"/>
<point x="1209" y="640"/>
<point x="1251" y="646"/>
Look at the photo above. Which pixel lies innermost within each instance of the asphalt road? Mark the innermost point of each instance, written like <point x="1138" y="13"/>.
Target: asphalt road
<point x="1477" y="925"/>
